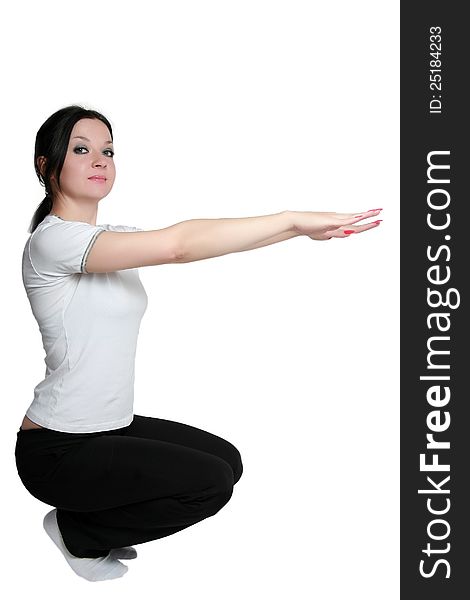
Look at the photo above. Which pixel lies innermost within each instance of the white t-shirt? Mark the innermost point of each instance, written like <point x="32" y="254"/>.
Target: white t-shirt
<point x="89" y="323"/>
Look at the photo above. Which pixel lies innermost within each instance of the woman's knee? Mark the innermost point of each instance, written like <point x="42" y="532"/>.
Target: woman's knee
<point x="233" y="457"/>
<point x="237" y="465"/>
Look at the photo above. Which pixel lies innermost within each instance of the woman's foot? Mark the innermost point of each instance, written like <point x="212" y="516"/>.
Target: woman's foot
<point x="92" y="569"/>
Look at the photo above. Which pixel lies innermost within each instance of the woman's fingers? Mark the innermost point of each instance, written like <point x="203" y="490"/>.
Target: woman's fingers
<point x="346" y="231"/>
<point x="361" y="228"/>
<point x="328" y="225"/>
<point x="354" y="217"/>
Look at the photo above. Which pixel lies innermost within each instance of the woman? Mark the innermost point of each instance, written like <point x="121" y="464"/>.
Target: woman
<point x="117" y="478"/>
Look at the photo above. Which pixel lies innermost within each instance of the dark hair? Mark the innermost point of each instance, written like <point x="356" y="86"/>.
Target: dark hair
<point x="52" y="141"/>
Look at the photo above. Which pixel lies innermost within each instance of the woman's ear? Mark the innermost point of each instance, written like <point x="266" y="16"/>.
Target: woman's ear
<point x="41" y="162"/>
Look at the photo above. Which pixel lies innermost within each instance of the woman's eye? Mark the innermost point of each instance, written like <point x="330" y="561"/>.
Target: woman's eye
<point x="78" y="148"/>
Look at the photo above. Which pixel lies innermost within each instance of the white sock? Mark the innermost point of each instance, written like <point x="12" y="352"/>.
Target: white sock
<point x="92" y="569"/>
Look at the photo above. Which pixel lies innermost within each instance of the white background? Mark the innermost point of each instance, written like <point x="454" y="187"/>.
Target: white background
<point x="230" y="109"/>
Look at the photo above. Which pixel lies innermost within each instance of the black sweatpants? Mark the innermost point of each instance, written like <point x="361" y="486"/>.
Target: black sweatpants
<point x="130" y="485"/>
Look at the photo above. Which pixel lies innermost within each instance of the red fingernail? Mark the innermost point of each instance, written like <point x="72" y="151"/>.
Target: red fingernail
<point x="348" y="231"/>
<point x="372" y="209"/>
<point x="378" y="221"/>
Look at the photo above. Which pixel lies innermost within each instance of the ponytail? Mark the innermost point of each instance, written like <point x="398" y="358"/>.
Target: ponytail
<point x="41" y="212"/>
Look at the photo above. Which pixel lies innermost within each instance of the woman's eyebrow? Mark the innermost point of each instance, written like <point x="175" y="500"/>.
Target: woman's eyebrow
<point x="84" y="138"/>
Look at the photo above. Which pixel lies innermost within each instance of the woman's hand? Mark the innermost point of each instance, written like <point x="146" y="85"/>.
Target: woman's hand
<point x="326" y="225"/>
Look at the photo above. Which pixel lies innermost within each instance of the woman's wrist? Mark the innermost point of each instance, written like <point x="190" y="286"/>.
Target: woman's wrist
<point x="290" y="222"/>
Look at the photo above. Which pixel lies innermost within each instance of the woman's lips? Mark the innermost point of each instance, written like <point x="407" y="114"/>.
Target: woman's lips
<point x="97" y="179"/>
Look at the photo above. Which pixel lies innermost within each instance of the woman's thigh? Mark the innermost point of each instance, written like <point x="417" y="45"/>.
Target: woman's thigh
<point x="114" y="470"/>
<point x="186" y="435"/>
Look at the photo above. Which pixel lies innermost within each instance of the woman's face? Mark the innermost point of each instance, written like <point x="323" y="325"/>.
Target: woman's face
<point x="88" y="171"/>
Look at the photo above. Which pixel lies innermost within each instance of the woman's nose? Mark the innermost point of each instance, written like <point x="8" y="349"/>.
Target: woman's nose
<point x="99" y="161"/>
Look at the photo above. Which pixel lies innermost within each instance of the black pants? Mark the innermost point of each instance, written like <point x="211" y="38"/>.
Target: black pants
<point x="130" y="485"/>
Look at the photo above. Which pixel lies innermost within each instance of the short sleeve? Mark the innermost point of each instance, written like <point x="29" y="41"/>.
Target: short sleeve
<point x="122" y="228"/>
<point x="63" y="248"/>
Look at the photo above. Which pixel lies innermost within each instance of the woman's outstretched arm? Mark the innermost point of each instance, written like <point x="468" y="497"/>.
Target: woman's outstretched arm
<point x="206" y="238"/>
<point x="198" y="239"/>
